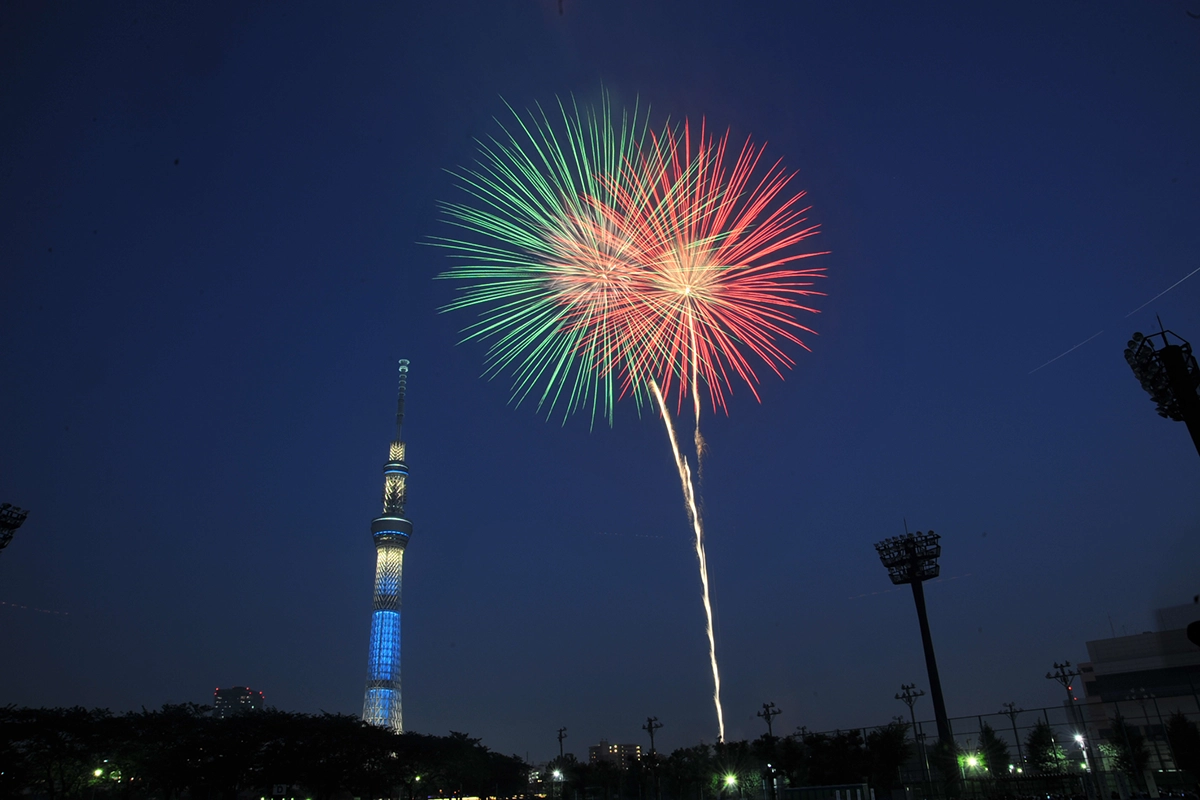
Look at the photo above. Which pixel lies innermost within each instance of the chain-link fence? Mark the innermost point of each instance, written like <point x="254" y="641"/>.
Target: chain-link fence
<point x="1145" y="745"/>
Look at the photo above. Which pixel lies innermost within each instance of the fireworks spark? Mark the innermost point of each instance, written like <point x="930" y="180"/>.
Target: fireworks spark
<point x="617" y="260"/>
<point x="551" y="274"/>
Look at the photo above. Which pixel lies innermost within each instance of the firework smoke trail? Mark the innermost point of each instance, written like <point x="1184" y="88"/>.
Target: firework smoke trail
<point x="689" y="497"/>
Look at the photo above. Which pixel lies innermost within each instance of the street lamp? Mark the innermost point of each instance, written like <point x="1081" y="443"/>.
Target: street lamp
<point x="912" y="559"/>
<point x="1170" y="376"/>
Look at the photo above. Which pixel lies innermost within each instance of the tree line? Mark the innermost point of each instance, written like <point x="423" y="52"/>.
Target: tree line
<point x="181" y="750"/>
<point x="742" y="769"/>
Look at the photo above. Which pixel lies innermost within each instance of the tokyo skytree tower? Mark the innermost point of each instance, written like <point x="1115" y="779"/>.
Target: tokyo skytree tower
<point x="381" y="705"/>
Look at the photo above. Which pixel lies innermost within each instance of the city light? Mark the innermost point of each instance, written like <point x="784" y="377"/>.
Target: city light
<point x="731" y="780"/>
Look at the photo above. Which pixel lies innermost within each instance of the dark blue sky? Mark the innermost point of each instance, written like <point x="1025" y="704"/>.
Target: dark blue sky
<point x="210" y="257"/>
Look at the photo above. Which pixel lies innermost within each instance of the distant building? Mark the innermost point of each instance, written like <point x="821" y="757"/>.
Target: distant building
<point x="1161" y="663"/>
<point x="620" y="754"/>
<point x="1145" y="678"/>
<point x="236" y="700"/>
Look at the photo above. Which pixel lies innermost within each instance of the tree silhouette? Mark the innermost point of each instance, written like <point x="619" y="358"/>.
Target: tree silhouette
<point x="994" y="751"/>
<point x="1184" y="738"/>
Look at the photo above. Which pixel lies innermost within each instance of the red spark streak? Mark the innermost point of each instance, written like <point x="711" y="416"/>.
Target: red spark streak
<point x="690" y="267"/>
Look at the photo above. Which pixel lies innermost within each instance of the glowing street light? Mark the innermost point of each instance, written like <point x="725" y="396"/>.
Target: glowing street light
<point x="730" y="781"/>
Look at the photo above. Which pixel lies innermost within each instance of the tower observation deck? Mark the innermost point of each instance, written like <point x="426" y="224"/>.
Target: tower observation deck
<point x="381" y="704"/>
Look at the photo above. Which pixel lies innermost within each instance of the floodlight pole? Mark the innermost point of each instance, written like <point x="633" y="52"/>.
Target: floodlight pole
<point x="912" y="559"/>
<point x="562" y="734"/>
<point x="11" y="518"/>
<point x="935" y="683"/>
<point x="1170" y="375"/>
<point x="1175" y="362"/>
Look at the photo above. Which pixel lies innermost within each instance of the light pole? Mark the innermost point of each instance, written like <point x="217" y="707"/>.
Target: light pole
<point x="1170" y="376"/>
<point x="912" y="559"/>
<point x="562" y="734"/>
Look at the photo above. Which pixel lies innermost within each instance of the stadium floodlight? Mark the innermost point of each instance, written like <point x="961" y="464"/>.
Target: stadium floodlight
<point x="11" y="518"/>
<point x="912" y="559"/>
<point x="1170" y="376"/>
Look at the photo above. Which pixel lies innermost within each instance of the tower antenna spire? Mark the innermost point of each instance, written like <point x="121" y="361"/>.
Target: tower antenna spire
<point x="400" y="397"/>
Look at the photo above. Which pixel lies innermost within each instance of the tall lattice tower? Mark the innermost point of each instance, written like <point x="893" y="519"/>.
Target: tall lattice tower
<point x="381" y="705"/>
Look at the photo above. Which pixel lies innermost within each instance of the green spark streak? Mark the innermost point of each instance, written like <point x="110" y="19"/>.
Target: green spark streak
<point x="540" y="186"/>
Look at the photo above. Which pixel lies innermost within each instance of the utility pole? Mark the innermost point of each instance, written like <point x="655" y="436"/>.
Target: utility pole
<point x="652" y="724"/>
<point x="562" y="734"/>
<point x="908" y="694"/>
<point x="1065" y="675"/>
<point x="768" y="712"/>
<point x="1011" y="711"/>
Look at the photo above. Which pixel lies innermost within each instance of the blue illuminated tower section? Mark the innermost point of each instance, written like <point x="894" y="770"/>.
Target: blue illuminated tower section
<point x="381" y="705"/>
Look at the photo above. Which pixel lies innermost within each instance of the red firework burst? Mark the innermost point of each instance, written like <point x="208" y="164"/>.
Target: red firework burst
<point x="708" y="252"/>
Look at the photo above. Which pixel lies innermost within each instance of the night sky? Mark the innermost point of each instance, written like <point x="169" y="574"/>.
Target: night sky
<point x="213" y="249"/>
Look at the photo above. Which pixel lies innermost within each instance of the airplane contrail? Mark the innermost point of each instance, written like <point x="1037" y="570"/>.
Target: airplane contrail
<point x="1160" y="294"/>
<point x="1060" y="355"/>
<point x="1127" y="316"/>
